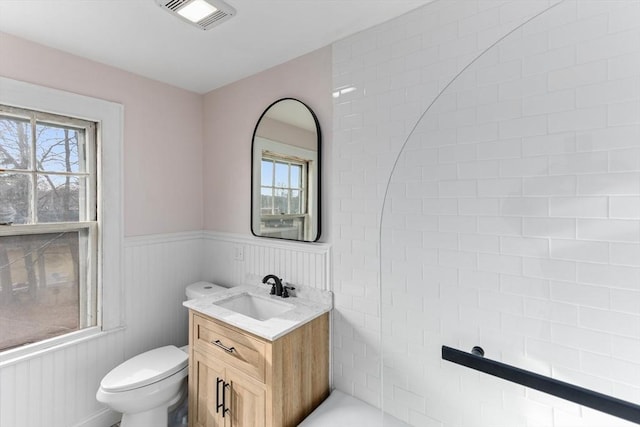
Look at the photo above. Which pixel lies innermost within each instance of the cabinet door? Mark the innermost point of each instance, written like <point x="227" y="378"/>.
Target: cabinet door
<point x="246" y="401"/>
<point x="202" y="410"/>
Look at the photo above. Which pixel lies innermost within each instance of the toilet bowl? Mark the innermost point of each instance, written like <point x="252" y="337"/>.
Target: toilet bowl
<point x="145" y="386"/>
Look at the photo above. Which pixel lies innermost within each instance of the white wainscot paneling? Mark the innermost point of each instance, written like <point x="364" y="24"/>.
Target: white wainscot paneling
<point x="57" y="388"/>
<point x="232" y="259"/>
<point x="157" y="270"/>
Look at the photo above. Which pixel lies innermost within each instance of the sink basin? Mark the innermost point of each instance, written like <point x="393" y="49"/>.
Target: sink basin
<point x="256" y="307"/>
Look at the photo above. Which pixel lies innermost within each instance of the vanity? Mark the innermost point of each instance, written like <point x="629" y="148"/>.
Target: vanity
<point x="256" y="360"/>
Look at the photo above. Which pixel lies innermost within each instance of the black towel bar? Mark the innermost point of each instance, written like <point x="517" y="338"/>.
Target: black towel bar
<point x="601" y="402"/>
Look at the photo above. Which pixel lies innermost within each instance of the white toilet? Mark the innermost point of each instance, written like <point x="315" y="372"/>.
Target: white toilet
<point x="145" y="386"/>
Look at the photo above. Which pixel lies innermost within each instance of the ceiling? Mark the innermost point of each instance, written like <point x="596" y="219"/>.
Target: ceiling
<point x="140" y="37"/>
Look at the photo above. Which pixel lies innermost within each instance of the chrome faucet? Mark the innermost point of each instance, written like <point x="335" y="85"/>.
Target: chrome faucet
<point x="276" y="287"/>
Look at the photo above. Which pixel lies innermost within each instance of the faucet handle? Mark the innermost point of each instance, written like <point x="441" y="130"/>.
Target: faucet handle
<point x="285" y="291"/>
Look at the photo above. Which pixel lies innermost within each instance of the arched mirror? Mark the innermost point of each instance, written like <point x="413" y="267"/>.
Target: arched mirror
<point x="285" y="174"/>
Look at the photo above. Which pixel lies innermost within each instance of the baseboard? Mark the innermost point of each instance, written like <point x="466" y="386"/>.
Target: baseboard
<point x="104" y="418"/>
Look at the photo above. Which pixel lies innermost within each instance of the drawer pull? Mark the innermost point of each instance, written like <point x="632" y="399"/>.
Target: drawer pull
<point x="217" y="343"/>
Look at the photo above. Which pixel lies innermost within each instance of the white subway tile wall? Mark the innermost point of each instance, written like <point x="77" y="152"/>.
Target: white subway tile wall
<point x="512" y="218"/>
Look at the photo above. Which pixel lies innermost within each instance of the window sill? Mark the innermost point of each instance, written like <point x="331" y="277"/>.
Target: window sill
<point x="30" y="351"/>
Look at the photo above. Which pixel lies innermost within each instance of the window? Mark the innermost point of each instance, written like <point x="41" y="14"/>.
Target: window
<point x="109" y="118"/>
<point x="283" y="200"/>
<point x="282" y="186"/>
<point x="48" y="226"/>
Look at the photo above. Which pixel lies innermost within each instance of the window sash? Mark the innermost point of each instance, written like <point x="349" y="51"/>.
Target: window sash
<point x="88" y="158"/>
<point x="289" y="162"/>
<point x="87" y="257"/>
<point x="87" y="224"/>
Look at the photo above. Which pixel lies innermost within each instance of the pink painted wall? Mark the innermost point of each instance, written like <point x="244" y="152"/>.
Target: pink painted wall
<point x="230" y="116"/>
<point x="162" y="132"/>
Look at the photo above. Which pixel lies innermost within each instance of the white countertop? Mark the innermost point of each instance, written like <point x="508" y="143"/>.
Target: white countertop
<point x="303" y="311"/>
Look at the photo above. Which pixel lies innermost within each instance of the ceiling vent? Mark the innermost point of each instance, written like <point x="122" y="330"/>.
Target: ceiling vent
<point x="204" y="14"/>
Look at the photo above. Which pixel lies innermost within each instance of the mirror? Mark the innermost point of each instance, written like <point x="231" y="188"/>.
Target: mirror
<point x="285" y="173"/>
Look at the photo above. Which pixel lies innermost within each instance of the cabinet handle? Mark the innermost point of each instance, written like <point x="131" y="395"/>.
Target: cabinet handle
<point x="217" y="343"/>
<point x="218" y="405"/>
<point x="224" y="398"/>
<point x="222" y="405"/>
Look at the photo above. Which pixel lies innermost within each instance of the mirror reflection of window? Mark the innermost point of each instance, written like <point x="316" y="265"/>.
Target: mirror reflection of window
<point x="285" y="183"/>
<point x="283" y="196"/>
<point x="282" y="187"/>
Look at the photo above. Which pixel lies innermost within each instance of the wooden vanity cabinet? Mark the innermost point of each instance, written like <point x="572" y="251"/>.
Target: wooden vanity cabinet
<point x="255" y="382"/>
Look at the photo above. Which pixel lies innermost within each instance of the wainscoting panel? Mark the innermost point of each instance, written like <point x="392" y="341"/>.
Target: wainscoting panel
<point x="237" y="260"/>
<point x="58" y="387"/>
<point x="157" y="270"/>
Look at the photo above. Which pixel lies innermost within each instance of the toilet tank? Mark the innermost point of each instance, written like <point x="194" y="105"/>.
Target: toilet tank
<point x="202" y="289"/>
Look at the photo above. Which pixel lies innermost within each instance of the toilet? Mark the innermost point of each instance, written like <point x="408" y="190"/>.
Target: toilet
<point x="144" y="387"/>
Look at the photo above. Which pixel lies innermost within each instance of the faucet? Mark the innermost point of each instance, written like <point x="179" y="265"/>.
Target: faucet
<point x="276" y="287"/>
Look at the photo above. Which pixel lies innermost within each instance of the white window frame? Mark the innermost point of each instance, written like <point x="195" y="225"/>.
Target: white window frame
<point x="109" y="117"/>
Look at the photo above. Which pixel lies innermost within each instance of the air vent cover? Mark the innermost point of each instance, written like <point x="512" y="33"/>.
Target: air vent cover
<point x="224" y="12"/>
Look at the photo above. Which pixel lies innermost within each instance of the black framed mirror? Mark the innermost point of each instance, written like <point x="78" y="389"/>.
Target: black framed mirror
<point x="285" y="172"/>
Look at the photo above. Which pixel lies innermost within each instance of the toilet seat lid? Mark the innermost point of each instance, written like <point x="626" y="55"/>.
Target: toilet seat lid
<point x="145" y="368"/>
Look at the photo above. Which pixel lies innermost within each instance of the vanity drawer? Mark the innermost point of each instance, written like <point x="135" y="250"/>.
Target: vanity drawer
<point x="234" y="348"/>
